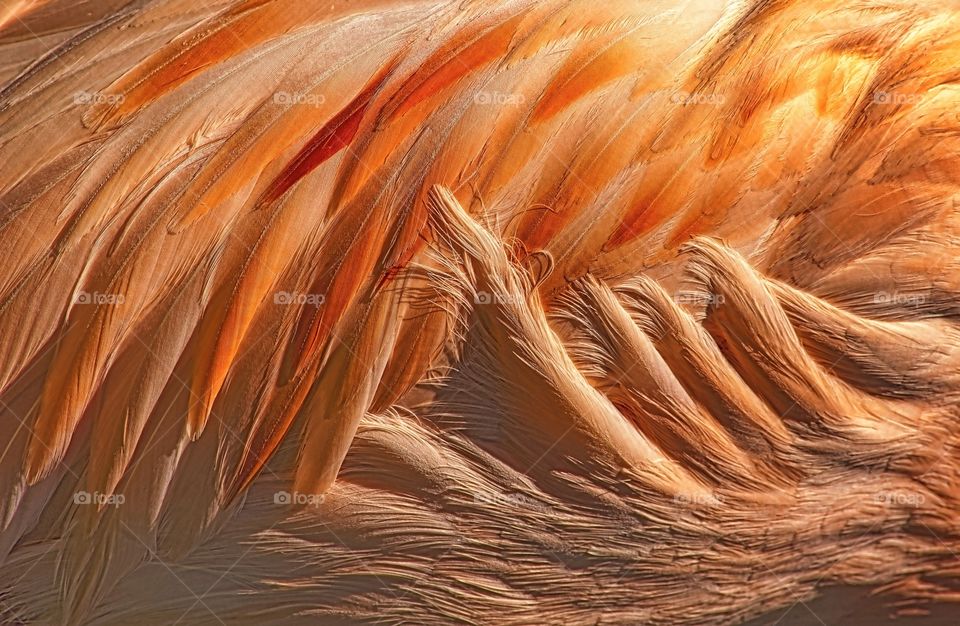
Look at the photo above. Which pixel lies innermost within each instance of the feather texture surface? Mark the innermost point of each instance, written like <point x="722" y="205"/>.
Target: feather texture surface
<point x="452" y="311"/>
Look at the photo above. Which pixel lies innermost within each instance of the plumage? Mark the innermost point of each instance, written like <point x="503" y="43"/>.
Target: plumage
<point x="451" y="311"/>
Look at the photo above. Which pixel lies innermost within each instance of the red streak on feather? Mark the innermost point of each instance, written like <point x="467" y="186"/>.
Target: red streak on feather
<point x="336" y="134"/>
